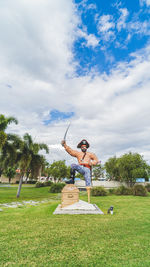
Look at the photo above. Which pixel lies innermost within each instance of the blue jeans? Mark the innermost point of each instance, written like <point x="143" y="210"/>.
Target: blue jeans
<point x="86" y="172"/>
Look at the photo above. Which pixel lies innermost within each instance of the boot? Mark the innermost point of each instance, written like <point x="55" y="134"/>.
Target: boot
<point x="72" y="177"/>
<point x="71" y="181"/>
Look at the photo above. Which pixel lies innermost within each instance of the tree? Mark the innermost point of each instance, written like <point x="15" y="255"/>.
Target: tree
<point x="58" y="170"/>
<point x="7" y="143"/>
<point x="3" y="137"/>
<point x="37" y="165"/>
<point x="44" y="171"/>
<point x="132" y="166"/>
<point x="127" y="168"/>
<point x="38" y="162"/>
<point x="10" y="173"/>
<point x="112" y="169"/>
<point x="4" y="122"/>
<point x="97" y="171"/>
<point x="9" y="152"/>
<point x="26" y="157"/>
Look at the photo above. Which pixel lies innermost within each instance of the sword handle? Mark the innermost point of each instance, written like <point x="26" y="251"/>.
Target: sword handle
<point x="63" y="142"/>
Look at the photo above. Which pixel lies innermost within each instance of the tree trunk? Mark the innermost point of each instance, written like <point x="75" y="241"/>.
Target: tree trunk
<point x="20" y="185"/>
<point x="39" y="172"/>
<point x="1" y="171"/>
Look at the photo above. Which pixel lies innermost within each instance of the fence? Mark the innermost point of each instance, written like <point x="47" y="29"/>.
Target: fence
<point x="106" y="184"/>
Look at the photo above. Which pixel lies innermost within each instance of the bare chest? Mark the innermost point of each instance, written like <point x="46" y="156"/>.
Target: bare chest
<point x="84" y="156"/>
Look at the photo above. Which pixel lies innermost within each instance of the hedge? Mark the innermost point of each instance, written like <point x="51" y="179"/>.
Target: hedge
<point x="98" y="191"/>
<point x="139" y="190"/>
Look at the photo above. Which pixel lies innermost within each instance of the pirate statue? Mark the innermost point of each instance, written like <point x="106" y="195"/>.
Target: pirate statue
<point x="85" y="162"/>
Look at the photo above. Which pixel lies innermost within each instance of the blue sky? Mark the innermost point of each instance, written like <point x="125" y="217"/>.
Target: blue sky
<point x="121" y="28"/>
<point x="85" y="62"/>
<point x="56" y="115"/>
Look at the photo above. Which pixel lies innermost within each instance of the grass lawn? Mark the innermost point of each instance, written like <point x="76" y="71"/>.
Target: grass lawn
<point x="33" y="236"/>
<point x="8" y="194"/>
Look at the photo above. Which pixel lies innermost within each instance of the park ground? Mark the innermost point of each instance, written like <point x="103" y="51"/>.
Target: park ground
<point x="33" y="236"/>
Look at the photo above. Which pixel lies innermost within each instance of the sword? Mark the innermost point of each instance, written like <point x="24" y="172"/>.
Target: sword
<point x="66" y="132"/>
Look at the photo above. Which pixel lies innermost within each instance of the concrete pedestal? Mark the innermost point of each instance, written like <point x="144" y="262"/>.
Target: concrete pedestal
<point x="70" y="203"/>
<point x="80" y="207"/>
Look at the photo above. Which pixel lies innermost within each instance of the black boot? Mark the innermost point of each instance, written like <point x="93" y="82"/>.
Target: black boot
<point x="72" y="177"/>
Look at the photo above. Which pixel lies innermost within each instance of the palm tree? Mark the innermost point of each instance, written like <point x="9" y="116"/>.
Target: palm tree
<point x="37" y="165"/>
<point x="9" y="152"/>
<point x="4" y="122"/>
<point x="10" y="172"/>
<point x="3" y="137"/>
<point x="29" y="158"/>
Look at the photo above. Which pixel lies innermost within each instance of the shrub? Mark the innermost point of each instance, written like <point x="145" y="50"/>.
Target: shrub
<point x="39" y="184"/>
<point x="56" y="187"/>
<point x="139" y="190"/>
<point x="98" y="191"/>
<point x="112" y="190"/>
<point x="123" y="190"/>
<point x="148" y="187"/>
<point x="31" y="182"/>
<point x="48" y="183"/>
<point x="17" y="182"/>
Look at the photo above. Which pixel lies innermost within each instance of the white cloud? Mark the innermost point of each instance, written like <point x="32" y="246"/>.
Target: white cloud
<point x="91" y="39"/>
<point x="138" y="27"/>
<point x="105" y="23"/>
<point x="109" y="28"/>
<point x="111" y="111"/>
<point x="105" y="26"/>
<point x="86" y="6"/>
<point x="38" y="36"/>
<point x="147" y="2"/>
<point x="92" y="6"/>
<point x="121" y="23"/>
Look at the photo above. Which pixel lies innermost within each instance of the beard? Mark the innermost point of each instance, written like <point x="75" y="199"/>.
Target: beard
<point x="84" y="149"/>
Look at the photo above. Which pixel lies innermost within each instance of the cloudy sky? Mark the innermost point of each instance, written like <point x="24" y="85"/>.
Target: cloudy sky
<point x="85" y="62"/>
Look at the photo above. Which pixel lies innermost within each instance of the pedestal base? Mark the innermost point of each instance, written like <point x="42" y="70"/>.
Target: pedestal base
<point x="80" y="207"/>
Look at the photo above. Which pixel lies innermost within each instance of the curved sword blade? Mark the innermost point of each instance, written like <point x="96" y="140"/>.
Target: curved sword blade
<point x="66" y="131"/>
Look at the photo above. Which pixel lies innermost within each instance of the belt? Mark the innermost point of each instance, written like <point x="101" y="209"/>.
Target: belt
<point x="86" y="165"/>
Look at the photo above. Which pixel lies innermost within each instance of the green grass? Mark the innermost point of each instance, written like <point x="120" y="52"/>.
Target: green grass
<point x="33" y="236"/>
<point x="8" y="194"/>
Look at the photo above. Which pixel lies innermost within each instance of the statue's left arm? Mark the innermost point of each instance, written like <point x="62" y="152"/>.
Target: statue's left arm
<point x="94" y="159"/>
